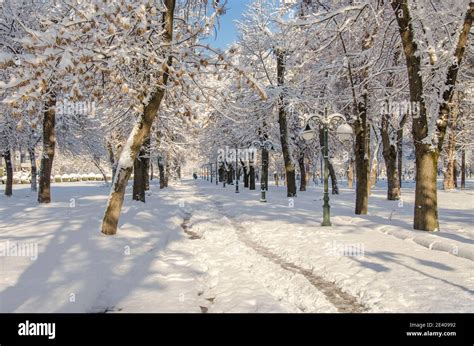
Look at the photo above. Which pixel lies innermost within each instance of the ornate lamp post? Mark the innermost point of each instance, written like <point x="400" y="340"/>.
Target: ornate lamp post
<point x="344" y="132"/>
<point x="267" y="145"/>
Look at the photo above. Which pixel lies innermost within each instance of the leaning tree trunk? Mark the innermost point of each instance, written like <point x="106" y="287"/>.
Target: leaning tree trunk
<point x="139" y="173"/>
<point x="9" y="167"/>
<point x="49" y="146"/>
<point x="361" y="159"/>
<point x="31" y="153"/>
<point x="140" y="131"/>
<point x="302" y="172"/>
<point x="282" y="121"/>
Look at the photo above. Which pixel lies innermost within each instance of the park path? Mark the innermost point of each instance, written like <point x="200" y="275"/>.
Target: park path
<point x="289" y="283"/>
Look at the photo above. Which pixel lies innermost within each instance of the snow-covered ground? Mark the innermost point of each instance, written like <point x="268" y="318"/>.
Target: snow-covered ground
<point x="197" y="247"/>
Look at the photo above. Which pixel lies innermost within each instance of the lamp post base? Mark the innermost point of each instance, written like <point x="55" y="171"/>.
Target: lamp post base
<point x="263" y="197"/>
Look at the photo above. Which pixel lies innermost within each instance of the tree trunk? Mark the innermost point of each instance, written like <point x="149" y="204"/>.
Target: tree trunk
<point x="282" y="121"/>
<point x="265" y="163"/>
<point x="361" y="159"/>
<point x="9" y="169"/>
<point x="139" y="177"/>
<point x="167" y="173"/>
<point x="146" y="164"/>
<point x="400" y="155"/>
<point x="49" y="146"/>
<point x="252" y="176"/>
<point x="463" y="169"/>
<point x="246" y="174"/>
<point x="230" y="175"/>
<point x="302" y="172"/>
<point x="426" y="204"/>
<point x="455" y="173"/>
<point x="426" y="212"/>
<point x="350" y="174"/>
<point x="221" y="174"/>
<point x="31" y="153"/>
<point x="389" y="152"/>
<point x="112" y="162"/>
<point x="161" y="169"/>
<point x="393" y="187"/>
<point x="140" y="131"/>
<point x="332" y="174"/>
<point x="450" y="171"/>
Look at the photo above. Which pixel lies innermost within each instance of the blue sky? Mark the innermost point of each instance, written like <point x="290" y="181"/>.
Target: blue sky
<point x="227" y="34"/>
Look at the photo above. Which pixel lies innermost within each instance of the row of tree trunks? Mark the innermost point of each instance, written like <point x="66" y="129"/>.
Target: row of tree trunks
<point x="9" y="168"/>
<point x="283" y="123"/>
<point x="140" y="132"/>
<point x="49" y="146"/>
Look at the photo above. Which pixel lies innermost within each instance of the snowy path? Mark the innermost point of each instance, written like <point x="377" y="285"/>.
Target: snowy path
<point x="197" y="247"/>
<point x="391" y="275"/>
<point x="341" y="300"/>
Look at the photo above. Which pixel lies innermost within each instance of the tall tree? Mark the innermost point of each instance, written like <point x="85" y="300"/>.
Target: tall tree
<point x="429" y="128"/>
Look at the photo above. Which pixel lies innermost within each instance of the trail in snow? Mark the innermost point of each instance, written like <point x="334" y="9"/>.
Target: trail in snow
<point x="343" y="301"/>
